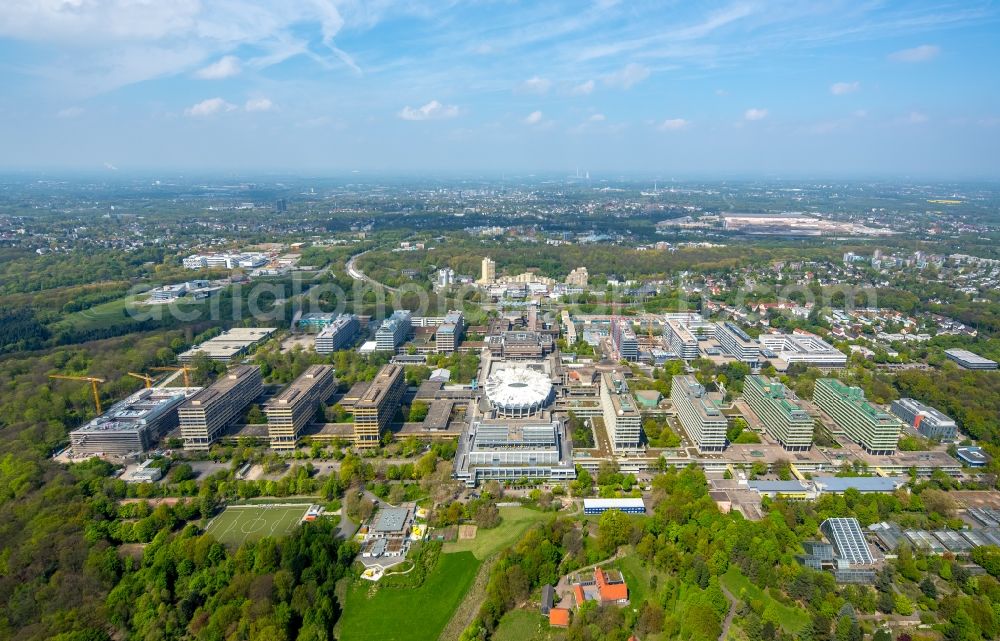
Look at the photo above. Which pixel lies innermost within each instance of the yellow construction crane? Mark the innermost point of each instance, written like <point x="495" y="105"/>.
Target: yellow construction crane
<point x="143" y="377"/>
<point x="93" y="383"/>
<point x="182" y="368"/>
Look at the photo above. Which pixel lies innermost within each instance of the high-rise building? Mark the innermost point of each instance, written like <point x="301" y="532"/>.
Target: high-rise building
<point x="928" y="421"/>
<point x="281" y="205"/>
<point x="699" y="413"/>
<point x="683" y="332"/>
<point x="338" y="334"/>
<point x="374" y="410"/>
<point x="134" y="424"/>
<point x="489" y="271"/>
<point x="782" y="417"/>
<point x="579" y="277"/>
<point x="445" y="277"/>
<point x="289" y="412"/>
<point x="449" y="334"/>
<point x="622" y="419"/>
<point x="623" y="339"/>
<point x="871" y="428"/>
<point x="737" y="343"/>
<point x="204" y="416"/>
<point x="393" y="331"/>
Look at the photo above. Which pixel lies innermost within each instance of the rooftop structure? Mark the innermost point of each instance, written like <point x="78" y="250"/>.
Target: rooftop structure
<point x="291" y="410"/>
<point x="871" y="428"/>
<point x="390" y="519"/>
<point x="520" y="345"/>
<point x="684" y="331"/>
<point x="513" y="449"/>
<point x="246" y="260"/>
<point x="393" y="331"/>
<point x="133" y="424"/>
<point x="518" y="391"/>
<point x="801" y="347"/>
<point x="622" y="419"/>
<point x="205" y="415"/>
<point x="229" y="345"/>
<point x="699" y="414"/>
<point x="973" y="456"/>
<point x="926" y="420"/>
<point x="374" y="410"/>
<point x="863" y="484"/>
<point x="969" y="360"/>
<point x="782" y="417"/>
<point x="737" y="343"/>
<point x="337" y="334"/>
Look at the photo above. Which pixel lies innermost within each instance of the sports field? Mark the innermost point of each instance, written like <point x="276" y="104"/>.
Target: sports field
<point x="239" y="523"/>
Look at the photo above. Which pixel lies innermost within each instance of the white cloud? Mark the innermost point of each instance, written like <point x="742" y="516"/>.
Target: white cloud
<point x="923" y="53"/>
<point x="259" y="104"/>
<point x="583" y="89"/>
<point x="534" y="85"/>
<point x="597" y="118"/>
<point x="673" y="124"/>
<point x="222" y="68"/>
<point x="755" y="114"/>
<point x="627" y="76"/>
<point x="721" y="93"/>
<point x="533" y="118"/>
<point x="69" y="112"/>
<point x="842" y="88"/>
<point x="915" y="118"/>
<point x="433" y="110"/>
<point x="208" y="108"/>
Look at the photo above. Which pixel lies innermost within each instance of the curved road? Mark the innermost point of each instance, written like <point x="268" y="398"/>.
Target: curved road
<point x="357" y="274"/>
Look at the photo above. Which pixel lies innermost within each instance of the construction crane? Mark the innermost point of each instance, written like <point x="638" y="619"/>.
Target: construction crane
<point x="93" y="383"/>
<point x="182" y="368"/>
<point x="143" y="377"/>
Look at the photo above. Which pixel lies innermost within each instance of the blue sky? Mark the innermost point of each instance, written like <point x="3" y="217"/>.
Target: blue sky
<point x="684" y="88"/>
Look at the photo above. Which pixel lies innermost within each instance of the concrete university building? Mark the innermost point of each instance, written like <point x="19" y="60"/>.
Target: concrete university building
<point x="622" y="419"/>
<point x="969" y="360"/>
<point x="374" y="410"/>
<point x="684" y="330"/>
<point x="393" y="331"/>
<point x="623" y="339"/>
<point x="509" y="450"/>
<point x="699" y="413"/>
<point x="289" y="412"/>
<point x="871" y="428"/>
<point x="927" y="421"/>
<point x="204" y="416"/>
<point x="737" y="343"/>
<point x="337" y="334"/>
<point x="784" y="419"/>
<point x="134" y="424"/>
<point x="449" y="333"/>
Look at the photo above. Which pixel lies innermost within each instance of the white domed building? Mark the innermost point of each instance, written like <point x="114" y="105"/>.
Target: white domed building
<point x="518" y="391"/>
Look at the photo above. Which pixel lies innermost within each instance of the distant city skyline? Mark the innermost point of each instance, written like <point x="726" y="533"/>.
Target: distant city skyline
<point x="743" y="88"/>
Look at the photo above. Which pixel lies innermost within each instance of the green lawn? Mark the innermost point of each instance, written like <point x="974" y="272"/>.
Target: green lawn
<point x="240" y="523"/>
<point x="516" y="520"/>
<point x="791" y="618"/>
<point x="636" y="576"/>
<point x="408" y="614"/>
<point x="525" y="625"/>
<point x="103" y="315"/>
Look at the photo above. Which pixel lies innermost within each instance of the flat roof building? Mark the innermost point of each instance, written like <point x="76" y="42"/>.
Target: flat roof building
<point x="449" y="334"/>
<point x="969" y="360"/>
<point x="338" y="334"/>
<point x="204" y="416"/>
<point x="800" y="347"/>
<point x="622" y="419"/>
<point x="133" y="424"/>
<point x="973" y="456"/>
<point x="699" y="413"/>
<point x="783" y="418"/>
<point x="926" y="420"/>
<point x="624" y="341"/>
<point x="393" y="331"/>
<point x="627" y="505"/>
<point x="683" y="331"/>
<point x="871" y="428"/>
<point x="508" y="450"/>
<point x="229" y="345"/>
<point x="291" y="410"/>
<point x="378" y="404"/>
<point x="737" y="343"/>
